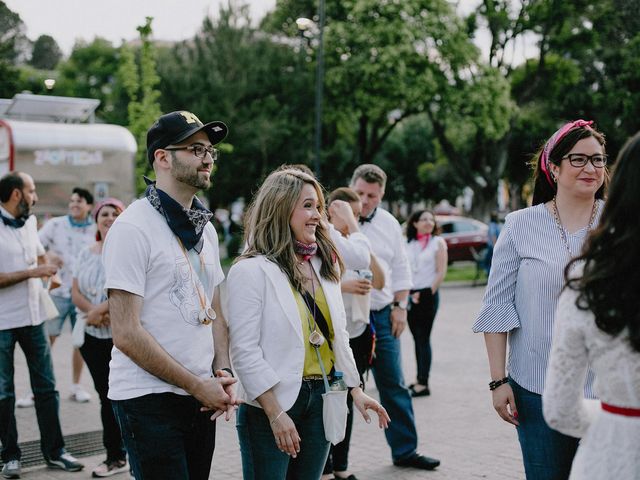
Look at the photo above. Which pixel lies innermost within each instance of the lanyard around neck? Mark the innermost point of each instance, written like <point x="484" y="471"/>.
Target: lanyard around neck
<point x="207" y="314"/>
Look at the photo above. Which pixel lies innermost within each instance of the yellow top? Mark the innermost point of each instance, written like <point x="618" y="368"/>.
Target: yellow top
<point x="311" y="365"/>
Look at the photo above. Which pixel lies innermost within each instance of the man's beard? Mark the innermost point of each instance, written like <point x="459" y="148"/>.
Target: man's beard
<point x="24" y="210"/>
<point x="184" y="173"/>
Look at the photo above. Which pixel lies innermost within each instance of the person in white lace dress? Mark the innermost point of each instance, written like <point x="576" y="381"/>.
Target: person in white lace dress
<point x="598" y="324"/>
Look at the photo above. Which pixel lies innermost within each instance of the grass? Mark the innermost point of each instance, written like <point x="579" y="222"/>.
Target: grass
<point x="463" y="272"/>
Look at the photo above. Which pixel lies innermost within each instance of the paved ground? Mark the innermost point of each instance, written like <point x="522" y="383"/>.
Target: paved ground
<point x="456" y="423"/>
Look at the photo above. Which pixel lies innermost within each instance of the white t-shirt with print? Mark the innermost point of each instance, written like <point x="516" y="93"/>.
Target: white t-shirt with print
<point x="141" y="255"/>
<point x="20" y="304"/>
<point x="59" y="236"/>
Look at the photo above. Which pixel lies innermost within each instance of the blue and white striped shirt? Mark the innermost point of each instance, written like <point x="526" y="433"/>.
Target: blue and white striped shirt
<point x="527" y="276"/>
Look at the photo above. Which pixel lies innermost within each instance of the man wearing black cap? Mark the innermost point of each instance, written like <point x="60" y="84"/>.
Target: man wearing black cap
<point x="162" y="270"/>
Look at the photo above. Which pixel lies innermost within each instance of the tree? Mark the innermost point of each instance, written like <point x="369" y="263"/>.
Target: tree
<point x="90" y="72"/>
<point x="140" y="82"/>
<point x="46" y="53"/>
<point x="389" y="61"/>
<point x="586" y="66"/>
<point x="256" y="83"/>
<point x="11" y="38"/>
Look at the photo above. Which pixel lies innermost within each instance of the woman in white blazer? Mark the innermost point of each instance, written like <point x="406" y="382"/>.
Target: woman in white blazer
<point x="284" y="295"/>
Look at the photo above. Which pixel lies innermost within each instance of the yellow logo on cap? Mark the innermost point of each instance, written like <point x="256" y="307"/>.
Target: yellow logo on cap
<point x="190" y="117"/>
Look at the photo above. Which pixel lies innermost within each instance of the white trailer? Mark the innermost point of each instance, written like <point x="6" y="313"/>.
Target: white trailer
<point x="38" y="136"/>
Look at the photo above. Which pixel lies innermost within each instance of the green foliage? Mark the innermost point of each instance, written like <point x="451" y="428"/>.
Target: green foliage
<point x="139" y="82"/>
<point x="12" y="36"/>
<point x="257" y="84"/>
<point x="46" y="53"/>
<point x="89" y="72"/>
<point x="416" y="169"/>
<point x="8" y="79"/>
<point x="386" y="61"/>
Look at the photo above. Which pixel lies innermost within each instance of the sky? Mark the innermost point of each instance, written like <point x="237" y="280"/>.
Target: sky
<point x="115" y="20"/>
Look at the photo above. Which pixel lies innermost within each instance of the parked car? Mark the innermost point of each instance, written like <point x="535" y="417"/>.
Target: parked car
<point x="466" y="237"/>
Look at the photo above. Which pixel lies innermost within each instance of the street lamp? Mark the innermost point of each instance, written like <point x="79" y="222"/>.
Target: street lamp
<point x="319" y="85"/>
<point x="49" y="83"/>
<point x="304" y="25"/>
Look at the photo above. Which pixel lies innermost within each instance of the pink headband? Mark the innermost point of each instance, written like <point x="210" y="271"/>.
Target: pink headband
<point x="553" y="141"/>
<point x="112" y="202"/>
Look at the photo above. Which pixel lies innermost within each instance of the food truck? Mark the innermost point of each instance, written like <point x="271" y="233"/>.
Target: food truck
<point x="57" y="141"/>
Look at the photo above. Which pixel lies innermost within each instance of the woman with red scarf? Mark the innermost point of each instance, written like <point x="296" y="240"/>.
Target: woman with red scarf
<point x="427" y="253"/>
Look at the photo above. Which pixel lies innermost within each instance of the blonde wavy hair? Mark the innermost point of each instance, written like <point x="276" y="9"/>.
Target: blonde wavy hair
<point x="268" y="231"/>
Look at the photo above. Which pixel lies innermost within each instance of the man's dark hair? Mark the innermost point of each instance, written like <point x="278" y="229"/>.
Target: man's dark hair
<point x="83" y="193"/>
<point x="8" y="184"/>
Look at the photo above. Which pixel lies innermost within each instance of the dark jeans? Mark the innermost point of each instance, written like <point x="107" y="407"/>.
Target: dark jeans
<point x="97" y="355"/>
<point x="166" y="436"/>
<point x="34" y="344"/>
<point x="338" y="459"/>
<point x="420" y="317"/>
<point x="395" y="397"/>
<point x="261" y="458"/>
<point x="547" y="453"/>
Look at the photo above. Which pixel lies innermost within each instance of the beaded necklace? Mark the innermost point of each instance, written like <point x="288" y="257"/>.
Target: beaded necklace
<point x="563" y="234"/>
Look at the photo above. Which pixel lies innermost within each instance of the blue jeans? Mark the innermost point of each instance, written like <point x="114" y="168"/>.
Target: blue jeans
<point x="261" y="458"/>
<point x="35" y="346"/>
<point x="420" y="318"/>
<point x="66" y="308"/>
<point x="547" y="454"/>
<point x="166" y="436"/>
<point x="394" y="395"/>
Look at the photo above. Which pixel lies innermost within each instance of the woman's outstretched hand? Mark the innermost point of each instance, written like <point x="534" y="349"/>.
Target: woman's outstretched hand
<point x="364" y="402"/>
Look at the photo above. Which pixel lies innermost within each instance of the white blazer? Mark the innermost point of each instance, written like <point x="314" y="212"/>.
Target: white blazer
<point x="265" y="331"/>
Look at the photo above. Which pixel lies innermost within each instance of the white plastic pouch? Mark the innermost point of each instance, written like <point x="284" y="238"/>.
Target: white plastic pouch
<point x="47" y="305"/>
<point x="77" y="334"/>
<point x="334" y="415"/>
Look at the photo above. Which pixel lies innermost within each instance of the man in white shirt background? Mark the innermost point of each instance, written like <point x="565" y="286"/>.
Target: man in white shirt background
<point x="63" y="237"/>
<point x="22" y="266"/>
<point x="389" y="316"/>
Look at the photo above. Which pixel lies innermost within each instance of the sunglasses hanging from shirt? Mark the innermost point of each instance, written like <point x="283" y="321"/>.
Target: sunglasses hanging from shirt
<point x="316" y="338"/>
<point x="206" y="315"/>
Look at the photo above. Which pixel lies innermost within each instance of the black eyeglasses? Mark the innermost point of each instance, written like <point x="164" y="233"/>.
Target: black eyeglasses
<point x="198" y="150"/>
<point x="598" y="160"/>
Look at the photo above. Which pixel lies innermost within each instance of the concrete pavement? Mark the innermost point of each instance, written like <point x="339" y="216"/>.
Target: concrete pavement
<point x="456" y="424"/>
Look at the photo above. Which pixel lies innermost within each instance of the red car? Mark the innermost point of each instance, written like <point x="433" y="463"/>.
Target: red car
<point x="466" y="237"/>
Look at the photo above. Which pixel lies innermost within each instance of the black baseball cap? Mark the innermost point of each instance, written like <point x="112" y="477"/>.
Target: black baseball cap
<point x="175" y="127"/>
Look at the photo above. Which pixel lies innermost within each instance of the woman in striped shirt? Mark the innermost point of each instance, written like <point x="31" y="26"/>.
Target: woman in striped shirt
<point x="526" y="278"/>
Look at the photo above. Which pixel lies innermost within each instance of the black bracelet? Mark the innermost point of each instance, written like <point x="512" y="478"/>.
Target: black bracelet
<point x="227" y="369"/>
<point x="496" y="383"/>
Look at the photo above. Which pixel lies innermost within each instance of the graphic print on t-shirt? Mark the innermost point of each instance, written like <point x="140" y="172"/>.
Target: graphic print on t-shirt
<point x="183" y="293"/>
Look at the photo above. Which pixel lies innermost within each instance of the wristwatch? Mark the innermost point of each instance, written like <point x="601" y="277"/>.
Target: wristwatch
<point x="402" y="304"/>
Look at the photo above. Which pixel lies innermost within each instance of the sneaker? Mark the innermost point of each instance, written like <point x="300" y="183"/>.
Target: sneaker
<point x="79" y="394"/>
<point x="11" y="469"/>
<point x="65" y="461"/>
<point x="26" y="402"/>
<point x="110" y="467"/>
